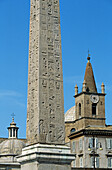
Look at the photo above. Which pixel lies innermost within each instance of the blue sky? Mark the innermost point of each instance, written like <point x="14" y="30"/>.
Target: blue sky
<point x="85" y="24"/>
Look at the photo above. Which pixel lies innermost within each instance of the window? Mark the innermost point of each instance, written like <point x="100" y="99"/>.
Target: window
<point x="13" y="132"/>
<point x="109" y="162"/>
<point x="96" y="143"/>
<point x="73" y="146"/>
<point x="72" y="130"/>
<point x="10" y="132"/>
<point x="94" y="109"/>
<point x="81" y="161"/>
<point x="96" y="162"/>
<point x="80" y="144"/>
<point x="74" y="163"/>
<point x="109" y="143"/>
<point x="91" y="142"/>
<point x="79" y="109"/>
<point x="87" y="90"/>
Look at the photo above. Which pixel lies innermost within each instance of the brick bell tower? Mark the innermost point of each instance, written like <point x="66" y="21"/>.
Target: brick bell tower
<point x="90" y="105"/>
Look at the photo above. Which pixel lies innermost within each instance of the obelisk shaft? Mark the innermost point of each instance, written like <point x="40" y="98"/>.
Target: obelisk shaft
<point x="45" y="108"/>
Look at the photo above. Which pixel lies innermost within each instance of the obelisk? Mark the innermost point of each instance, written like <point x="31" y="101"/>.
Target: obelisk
<point x="45" y="107"/>
<point x="45" y="112"/>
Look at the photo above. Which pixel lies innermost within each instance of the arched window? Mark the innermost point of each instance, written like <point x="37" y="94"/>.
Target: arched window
<point x="72" y="130"/>
<point x="13" y="132"/>
<point x="87" y="90"/>
<point x="16" y="133"/>
<point x="10" y="132"/>
<point x="79" y="109"/>
<point x="94" y="109"/>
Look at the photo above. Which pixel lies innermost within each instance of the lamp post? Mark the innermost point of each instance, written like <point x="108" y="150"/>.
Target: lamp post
<point x="93" y="149"/>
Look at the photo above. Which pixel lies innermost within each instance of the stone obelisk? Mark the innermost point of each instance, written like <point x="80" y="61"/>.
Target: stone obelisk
<point x="45" y="112"/>
<point x="45" y="108"/>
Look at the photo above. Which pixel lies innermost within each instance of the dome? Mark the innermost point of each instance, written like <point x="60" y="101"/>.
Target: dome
<point x="12" y="146"/>
<point x="70" y="114"/>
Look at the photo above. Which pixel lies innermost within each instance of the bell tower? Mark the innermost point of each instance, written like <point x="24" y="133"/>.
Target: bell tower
<point x="90" y="105"/>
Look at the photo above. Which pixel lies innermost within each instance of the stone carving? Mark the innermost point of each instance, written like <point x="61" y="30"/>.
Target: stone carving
<point x="41" y="126"/>
<point x="60" y="136"/>
<point x="50" y="66"/>
<point x="45" y="113"/>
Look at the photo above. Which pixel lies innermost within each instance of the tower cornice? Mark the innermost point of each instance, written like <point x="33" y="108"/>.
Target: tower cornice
<point x="89" y="93"/>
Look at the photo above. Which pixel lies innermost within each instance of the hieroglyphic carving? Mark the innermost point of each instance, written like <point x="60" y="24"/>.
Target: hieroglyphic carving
<point x="45" y="115"/>
<point x="41" y="126"/>
<point x="60" y="135"/>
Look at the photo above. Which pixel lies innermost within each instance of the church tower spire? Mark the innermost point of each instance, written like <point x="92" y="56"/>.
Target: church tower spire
<point x="90" y="104"/>
<point x="89" y="77"/>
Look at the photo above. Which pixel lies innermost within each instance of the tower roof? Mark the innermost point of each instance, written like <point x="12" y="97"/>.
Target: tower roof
<point x="13" y="129"/>
<point x="89" y="77"/>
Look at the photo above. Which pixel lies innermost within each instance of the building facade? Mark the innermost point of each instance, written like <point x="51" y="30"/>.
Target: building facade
<point x="86" y="132"/>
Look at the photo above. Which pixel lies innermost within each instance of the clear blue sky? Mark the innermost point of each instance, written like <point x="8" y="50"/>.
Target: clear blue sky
<point x="84" y="24"/>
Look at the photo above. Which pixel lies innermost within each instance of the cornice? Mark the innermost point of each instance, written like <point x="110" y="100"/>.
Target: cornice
<point x="88" y="93"/>
<point x="90" y="132"/>
<point x="93" y="118"/>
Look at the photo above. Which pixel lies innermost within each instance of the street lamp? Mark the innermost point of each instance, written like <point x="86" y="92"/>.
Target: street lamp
<point x="93" y="149"/>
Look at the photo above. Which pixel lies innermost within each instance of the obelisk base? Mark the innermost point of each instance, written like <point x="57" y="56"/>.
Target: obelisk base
<point x="46" y="157"/>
